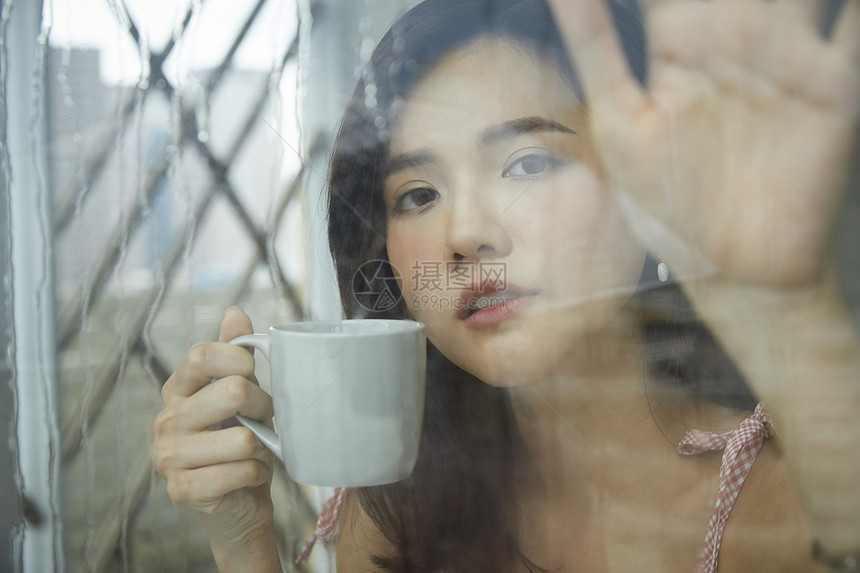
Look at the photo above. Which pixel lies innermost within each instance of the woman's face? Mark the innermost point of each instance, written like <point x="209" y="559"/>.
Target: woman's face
<point x="495" y="199"/>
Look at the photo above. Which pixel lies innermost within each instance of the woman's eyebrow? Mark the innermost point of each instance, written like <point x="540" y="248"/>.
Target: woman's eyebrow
<point x="408" y="160"/>
<point x="507" y="130"/>
<point x="521" y="126"/>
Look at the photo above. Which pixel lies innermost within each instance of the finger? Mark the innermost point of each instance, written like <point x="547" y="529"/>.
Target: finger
<point x="222" y="399"/>
<point x="206" y="361"/>
<point x="208" y="449"/>
<point x="214" y="403"/>
<point x="846" y="32"/>
<point x="202" y="488"/>
<point x="593" y="44"/>
<point x="234" y="323"/>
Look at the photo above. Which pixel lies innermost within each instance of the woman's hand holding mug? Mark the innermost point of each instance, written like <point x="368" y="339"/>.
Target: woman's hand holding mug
<point x="220" y="474"/>
<point x="348" y="403"/>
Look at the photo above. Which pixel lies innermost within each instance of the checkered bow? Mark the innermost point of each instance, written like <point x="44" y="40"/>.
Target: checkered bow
<point x="740" y="449"/>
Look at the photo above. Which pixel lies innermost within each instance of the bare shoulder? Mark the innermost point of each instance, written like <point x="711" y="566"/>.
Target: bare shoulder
<point x="769" y="529"/>
<point x="359" y="539"/>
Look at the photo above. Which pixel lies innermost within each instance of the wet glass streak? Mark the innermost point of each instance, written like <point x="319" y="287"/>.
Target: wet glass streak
<point x="145" y="206"/>
<point x="43" y="296"/>
<point x="17" y="533"/>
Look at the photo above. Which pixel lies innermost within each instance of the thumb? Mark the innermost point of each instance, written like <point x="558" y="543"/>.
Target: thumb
<point x="234" y="323"/>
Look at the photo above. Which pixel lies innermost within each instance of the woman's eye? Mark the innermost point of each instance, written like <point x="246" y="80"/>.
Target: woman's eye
<point x="415" y="199"/>
<point x="530" y="166"/>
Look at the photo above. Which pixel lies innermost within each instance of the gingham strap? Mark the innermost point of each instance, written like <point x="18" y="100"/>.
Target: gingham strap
<point x="328" y="524"/>
<point x="741" y="446"/>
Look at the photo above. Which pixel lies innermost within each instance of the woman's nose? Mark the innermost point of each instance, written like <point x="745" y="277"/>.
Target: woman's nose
<point x="475" y="228"/>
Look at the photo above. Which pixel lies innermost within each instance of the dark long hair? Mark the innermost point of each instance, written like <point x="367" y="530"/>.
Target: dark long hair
<point x="458" y="511"/>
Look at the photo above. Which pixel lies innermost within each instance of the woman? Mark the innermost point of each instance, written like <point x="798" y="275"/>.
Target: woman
<point x="552" y="418"/>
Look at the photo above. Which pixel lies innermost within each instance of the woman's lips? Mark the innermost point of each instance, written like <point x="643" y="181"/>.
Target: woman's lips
<point x="496" y="314"/>
<point x="484" y="305"/>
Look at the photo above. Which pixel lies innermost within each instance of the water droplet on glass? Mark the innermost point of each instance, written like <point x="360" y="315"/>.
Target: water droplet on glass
<point x="172" y="153"/>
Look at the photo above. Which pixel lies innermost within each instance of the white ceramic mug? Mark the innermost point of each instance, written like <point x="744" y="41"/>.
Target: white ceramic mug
<point x="348" y="398"/>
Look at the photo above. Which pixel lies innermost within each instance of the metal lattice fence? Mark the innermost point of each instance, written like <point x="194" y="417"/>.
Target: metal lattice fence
<point x="150" y="183"/>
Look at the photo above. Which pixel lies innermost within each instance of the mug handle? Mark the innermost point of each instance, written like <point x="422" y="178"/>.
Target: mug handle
<point x="269" y="438"/>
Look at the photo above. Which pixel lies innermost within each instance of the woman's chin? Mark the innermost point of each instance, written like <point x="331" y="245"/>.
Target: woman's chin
<point x="517" y="364"/>
<point x="541" y="347"/>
